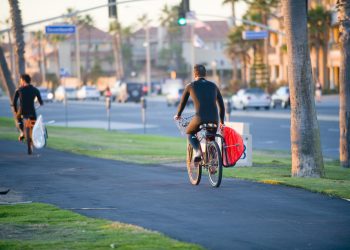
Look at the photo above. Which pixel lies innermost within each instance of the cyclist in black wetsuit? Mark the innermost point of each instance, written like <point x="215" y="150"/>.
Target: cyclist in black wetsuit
<point x="26" y="93"/>
<point x="205" y="96"/>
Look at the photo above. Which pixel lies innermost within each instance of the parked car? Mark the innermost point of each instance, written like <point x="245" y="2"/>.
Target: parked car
<point x="46" y="94"/>
<point x="251" y="98"/>
<point x="174" y="97"/>
<point x="60" y="92"/>
<point x="281" y="97"/>
<point x="88" y="92"/>
<point x="155" y="88"/>
<point x="130" y="92"/>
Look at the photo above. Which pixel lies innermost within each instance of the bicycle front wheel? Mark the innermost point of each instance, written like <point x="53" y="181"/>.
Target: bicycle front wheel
<point x="194" y="169"/>
<point x="214" y="161"/>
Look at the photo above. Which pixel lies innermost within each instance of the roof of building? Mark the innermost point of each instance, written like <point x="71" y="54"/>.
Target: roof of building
<point x="95" y="34"/>
<point x="208" y="30"/>
<point x="153" y="32"/>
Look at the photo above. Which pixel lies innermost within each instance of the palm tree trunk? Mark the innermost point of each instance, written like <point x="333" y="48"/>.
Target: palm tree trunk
<point x="307" y="160"/>
<point x="116" y="57"/>
<point x="120" y="54"/>
<point x="317" y="73"/>
<point x="57" y="58"/>
<point x="6" y="76"/>
<point x="7" y="82"/>
<point x="87" y="62"/>
<point x="17" y="29"/>
<point x="344" y="85"/>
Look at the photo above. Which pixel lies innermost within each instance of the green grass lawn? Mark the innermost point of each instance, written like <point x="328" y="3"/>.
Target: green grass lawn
<point x="40" y="226"/>
<point x="268" y="166"/>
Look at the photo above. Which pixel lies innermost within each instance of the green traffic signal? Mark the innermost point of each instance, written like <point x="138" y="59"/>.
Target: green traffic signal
<point x="182" y="21"/>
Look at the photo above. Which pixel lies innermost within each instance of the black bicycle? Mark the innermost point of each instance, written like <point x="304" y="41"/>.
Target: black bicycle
<point x="211" y="157"/>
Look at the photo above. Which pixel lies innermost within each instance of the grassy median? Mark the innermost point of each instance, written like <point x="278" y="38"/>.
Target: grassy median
<point x="269" y="166"/>
<point x="40" y="226"/>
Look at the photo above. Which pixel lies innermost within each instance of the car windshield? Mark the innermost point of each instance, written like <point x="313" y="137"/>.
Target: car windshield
<point x="69" y="90"/>
<point x="254" y="91"/>
<point x="133" y="86"/>
<point x="90" y="88"/>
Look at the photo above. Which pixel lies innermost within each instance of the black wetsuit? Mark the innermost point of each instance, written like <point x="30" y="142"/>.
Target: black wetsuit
<point x="205" y="96"/>
<point x="26" y="95"/>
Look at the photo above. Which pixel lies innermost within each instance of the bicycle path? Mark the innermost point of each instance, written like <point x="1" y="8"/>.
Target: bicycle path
<point x="238" y="215"/>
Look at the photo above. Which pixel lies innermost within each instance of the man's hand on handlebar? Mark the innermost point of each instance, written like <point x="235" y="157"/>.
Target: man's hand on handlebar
<point x="176" y="117"/>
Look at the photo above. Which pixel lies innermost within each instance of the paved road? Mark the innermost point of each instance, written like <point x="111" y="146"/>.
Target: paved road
<point x="270" y="129"/>
<point x="238" y="215"/>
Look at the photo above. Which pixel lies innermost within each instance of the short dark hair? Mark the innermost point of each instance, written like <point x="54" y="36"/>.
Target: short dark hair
<point x="26" y="78"/>
<point x="200" y="70"/>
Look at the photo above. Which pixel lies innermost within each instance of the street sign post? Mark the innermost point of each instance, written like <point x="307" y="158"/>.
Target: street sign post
<point x="60" y="29"/>
<point x="255" y="35"/>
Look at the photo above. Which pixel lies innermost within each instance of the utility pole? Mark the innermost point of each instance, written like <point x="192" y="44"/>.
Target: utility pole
<point x="148" y="59"/>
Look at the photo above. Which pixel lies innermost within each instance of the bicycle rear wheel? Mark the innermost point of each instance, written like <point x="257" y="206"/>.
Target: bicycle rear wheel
<point x="194" y="169"/>
<point x="214" y="161"/>
<point x="29" y="141"/>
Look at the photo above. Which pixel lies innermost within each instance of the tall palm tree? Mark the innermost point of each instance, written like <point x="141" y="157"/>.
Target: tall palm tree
<point x="168" y="19"/>
<point x="55" y="40"/>
<point x="17" y="29"/>
<point x="115" y="29"/>
<point x="263" y="9"/>
<point x="343" y="7"/>
<point x="237" y="48"/>
<point x="318" y="23"/>
<point x="307" y="160"/>
<point x="38" y="38"/>
<point x="232" y="2"/>
<point x="87" y="22"/>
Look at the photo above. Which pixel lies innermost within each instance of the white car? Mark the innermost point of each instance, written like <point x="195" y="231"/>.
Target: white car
<point x="70" y="92"/>
<point x="281" y="97"/>
<point x="88" y="92"/>
<point x="251" y="98"/>
<point x="45" y="94"/>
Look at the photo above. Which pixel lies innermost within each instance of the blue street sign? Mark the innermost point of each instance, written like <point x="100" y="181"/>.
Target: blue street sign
<point x="255" y="35"/>
<point x="60" y="29"/>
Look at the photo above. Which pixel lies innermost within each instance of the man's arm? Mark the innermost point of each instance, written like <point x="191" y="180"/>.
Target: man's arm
<point x="15" y="99"/>
<point x="221" y="106"/>
<point x="183" y="101"/>
<point x="39" y="97"/>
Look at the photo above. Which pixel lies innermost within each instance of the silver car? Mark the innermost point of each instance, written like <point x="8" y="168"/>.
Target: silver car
<point x="281" y="97"/>
<point x="251" y="98"/>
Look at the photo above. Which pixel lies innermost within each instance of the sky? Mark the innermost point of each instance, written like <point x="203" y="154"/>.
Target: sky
<point x="34" y="10"/>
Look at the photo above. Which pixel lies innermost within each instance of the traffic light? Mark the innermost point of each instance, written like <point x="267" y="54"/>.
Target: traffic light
<point x="112" y="9"/>
<point x="183" y="9"/>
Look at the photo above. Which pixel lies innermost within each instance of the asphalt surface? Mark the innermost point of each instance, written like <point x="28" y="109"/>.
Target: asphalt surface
<point x="238" y="215"/>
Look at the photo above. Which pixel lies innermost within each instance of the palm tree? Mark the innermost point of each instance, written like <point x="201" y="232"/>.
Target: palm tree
<point x="307" y="160"/>
<point x="237" y="48"/>
<point x="55" y="40"/>
<point x="343" y="7"/>
<point x="127" y="49"/>
<point x="87" y="22"/>
<point x="17" y="29"/>
<point x="232" y="2"/>
<point x="115" y="29"/>
<point x="168" y="19"/>
<point x="38" y="37"/>
<point x="318" y="23"/>
<point x="262" y="10"/>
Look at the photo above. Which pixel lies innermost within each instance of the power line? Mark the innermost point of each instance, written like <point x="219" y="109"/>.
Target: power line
<point x="74" y="13"/>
